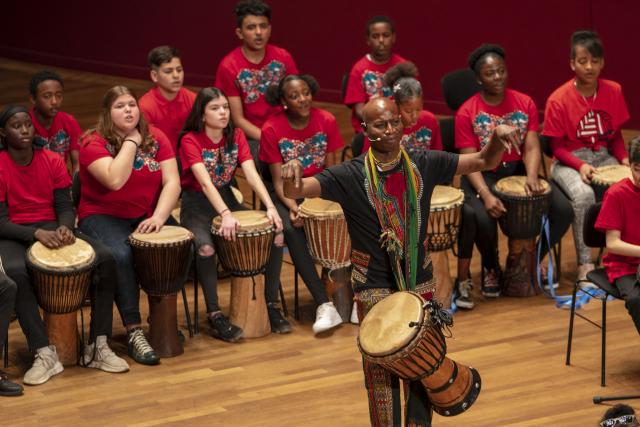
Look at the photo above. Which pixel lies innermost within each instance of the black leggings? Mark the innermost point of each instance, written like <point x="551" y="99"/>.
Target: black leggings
<point x="480" y="228"/>
<point x="630" y="291"/>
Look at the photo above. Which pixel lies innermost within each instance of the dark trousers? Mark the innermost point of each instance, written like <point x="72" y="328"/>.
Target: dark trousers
<point x="481" y="228"/>
<point x="630" y="290"/>
<point x="13" y="255"/>
<point x="113" y="233"/>
<point x="299" y="251"/>
<point x="8" y="290"/>
<point x="196" y="214"/>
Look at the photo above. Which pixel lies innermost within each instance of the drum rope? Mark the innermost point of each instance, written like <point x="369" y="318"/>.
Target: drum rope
<point x="562" y="301"/>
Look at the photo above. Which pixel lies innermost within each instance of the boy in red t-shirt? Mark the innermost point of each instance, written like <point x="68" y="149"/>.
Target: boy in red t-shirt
<point x="366" y="76"/>
<point x="55" y="130"/>
<point x="583" y="118"/>
<point x="167" y="105"/>
<point x="245" y="74"/>
<point x="619" y="220"/>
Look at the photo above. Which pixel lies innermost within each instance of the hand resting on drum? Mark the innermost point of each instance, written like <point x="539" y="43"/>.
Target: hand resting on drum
<point x="50" y="239"/>
<point x="586" y="172"/>
<point x="274" y="217"/>
<point x="533" y="185"/>
<point x="66" y="235"/>
<point x="150" y="225"/>
<point x="294" y="216"/>
<point x="229" y="225"/>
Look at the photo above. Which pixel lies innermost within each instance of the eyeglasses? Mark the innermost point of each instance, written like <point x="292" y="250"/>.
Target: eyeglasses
<point x="382" y="125"/>
<point x="620" y="421"/>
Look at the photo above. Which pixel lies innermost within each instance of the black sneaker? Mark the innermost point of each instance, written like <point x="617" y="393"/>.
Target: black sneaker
<point x="139" y="349"/>
<point x="491" y="284"/>
<point x="221" y="328"/>
<point x="9" y="388"/>
<point x="279" y="324"/>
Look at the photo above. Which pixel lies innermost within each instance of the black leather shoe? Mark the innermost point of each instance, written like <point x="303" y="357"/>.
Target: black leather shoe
<point x="8" y="388"/>
<point x="279" y="324"/>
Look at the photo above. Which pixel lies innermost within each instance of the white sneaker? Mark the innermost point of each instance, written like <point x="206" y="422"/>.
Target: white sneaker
<point x="104" y="359"/>
<point x="327" y="317"/>
<point x="45" y="365"/>
<point x="354" y="314"/>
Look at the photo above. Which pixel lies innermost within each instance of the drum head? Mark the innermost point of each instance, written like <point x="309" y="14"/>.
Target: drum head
<point x="609" y="175"/>
<point x="385" y="329"/>
<point x="167" y="234"/>
<point x="514" y="186"/>
<point x="70" y="257"/>
<point x="444" y="197"/>
<point x="319" y="208"/>
<point x="249" y="221"/>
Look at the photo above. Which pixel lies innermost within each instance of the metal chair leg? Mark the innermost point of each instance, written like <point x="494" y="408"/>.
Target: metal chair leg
<point x="6" y="352"/>
<point x="603" y="361"/>
<point x="196" y="316"/>
<point x="571" y="318"/>
<point x="296" y="306"/>
<point x="186" y="312"/>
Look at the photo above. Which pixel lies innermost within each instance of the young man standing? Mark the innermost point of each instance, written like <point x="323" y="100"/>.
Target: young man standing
<point x="167" y="105"/>
<point x="366" y="77"/>
<point x="245" y="74"/>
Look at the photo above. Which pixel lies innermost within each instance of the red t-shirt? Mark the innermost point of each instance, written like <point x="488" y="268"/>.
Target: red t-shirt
<point x="138" y="197"/>
<point x="168" y="116"/>
<point x="28" y="190"/>
<point x="197" y="147"/>
<point x="61" y="137"/>
<point x="424" y="135"/>
<point x="366" y="82"/>
<point x="579" y="122"/>
<point x="280" y="143"/>
<point x="620" y="205"/>
<point x="237" y="76"/>
<point x="476" y="120"/>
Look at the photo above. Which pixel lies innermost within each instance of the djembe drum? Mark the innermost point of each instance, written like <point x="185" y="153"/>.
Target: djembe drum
<point x="245" y="259"/>
<point x="442" y="233"/>
<point x="404" y="334"/>
<point x="162" y="261"/>
<point x="521" y="224"/>
<point x="606" y="176"/>
<point x="61" y="279"/>
<point x="330" y="245"/>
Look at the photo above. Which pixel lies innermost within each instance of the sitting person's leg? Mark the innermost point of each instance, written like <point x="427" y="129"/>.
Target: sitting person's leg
<point x="114" y="232"/>
<point x="8" y="290"/>
<point x="630" y="291"/>
<point x="46" y="362"/>
<point x="97" y="353"/>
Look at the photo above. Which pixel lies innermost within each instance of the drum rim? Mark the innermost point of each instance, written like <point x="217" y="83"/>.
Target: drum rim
<point x="187" y="238"/>
<point x="458" y="201"/>
<point x="596" y="181"/>
<point x="305" y="211"/>
<point x="267" y="223"/>
<point x="510" y="196"/>
<point x="82" y="267"/>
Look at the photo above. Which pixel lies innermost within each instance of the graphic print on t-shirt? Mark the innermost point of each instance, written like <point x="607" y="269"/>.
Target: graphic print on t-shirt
<point x="374" y="84"/>
<point x="417" y="141"/>
<point x="58" y="143"/>
<point x="147" y="158"/>
<point x="485" y="123"/>
<point x="595" y="125"/>
<point x="311" y="151"/>
<point x="220" y="163"/>
<point x="254" y="83"/>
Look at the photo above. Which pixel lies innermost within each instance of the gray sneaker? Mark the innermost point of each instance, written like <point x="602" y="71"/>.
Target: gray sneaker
<point x="463" y="294"/>
<point x="100" y="356"/>
<point x="45" y="365"/>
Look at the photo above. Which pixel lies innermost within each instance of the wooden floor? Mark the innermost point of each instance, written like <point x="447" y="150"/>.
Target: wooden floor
<point x="518" y="346"/>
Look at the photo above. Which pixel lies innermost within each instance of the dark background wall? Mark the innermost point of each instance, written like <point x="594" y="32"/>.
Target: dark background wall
<point x="326" y="37"/>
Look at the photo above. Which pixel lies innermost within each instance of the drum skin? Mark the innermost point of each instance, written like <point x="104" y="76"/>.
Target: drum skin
<point x="401" y="336"/>
<point x="249" y="253"/>
<point x="606" y="176"/>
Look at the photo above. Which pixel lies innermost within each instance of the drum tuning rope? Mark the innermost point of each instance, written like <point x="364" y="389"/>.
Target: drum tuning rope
<point x="253" y="280"/>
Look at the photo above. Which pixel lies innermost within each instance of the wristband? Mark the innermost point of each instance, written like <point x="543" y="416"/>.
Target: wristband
<point x="480" y="190"/>
<point x="271" y="207"/>
<point x="224" y="210"/>
<point x="131" y="140"/>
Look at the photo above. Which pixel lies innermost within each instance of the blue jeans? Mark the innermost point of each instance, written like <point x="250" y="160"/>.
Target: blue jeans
<point x="114" y="232"/>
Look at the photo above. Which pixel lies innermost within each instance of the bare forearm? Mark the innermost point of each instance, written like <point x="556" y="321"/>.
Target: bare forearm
<point x="531" y="155"/>
<point x="212" y="194"/>
<point x="256" y="183"/>
<point x="619" y="247"/>
<point x="168" y="199"/>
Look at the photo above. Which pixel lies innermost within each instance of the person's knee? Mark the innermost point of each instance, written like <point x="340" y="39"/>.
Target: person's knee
<point x="206" y="251"/>
<point x="8" y="286"/>
<point x="121" y="254"/>
<point x="583" y="199"/>
<point x="633" y="303"/>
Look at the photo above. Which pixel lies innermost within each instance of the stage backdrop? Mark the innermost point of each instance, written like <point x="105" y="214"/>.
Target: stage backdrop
<point x="327" y="37"/>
